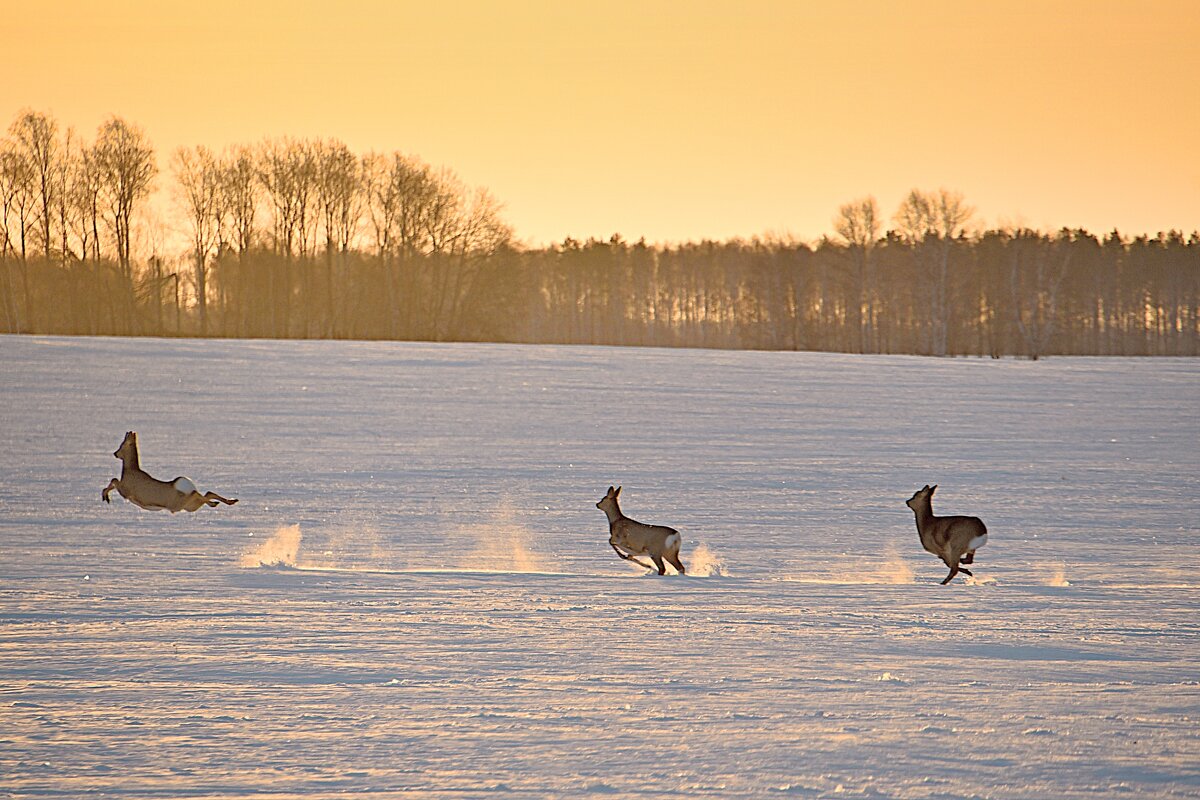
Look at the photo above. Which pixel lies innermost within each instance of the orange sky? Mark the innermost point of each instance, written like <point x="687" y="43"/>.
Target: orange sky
<point x="669" y="120"/>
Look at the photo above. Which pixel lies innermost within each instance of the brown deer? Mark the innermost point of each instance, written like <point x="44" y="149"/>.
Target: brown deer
<point x="150" y="493"/>
<point x="952" y="539"/>
<point x="629" y="537"/>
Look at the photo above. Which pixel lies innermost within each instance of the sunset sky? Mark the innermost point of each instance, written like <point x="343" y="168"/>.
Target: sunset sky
<point x="668" y="120"/>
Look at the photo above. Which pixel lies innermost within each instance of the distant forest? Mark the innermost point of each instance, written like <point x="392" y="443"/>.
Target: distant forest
<point x="306" y="239"/>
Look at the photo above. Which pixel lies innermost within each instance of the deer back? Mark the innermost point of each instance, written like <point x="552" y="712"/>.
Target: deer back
<point x="952" y="533"/>
<point x="637" y="537"/>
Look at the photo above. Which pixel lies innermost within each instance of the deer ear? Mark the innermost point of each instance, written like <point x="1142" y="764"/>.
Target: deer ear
<point x="931" y="488"/>
<point x="617" y="492"/>
<point x="611" y="490"/>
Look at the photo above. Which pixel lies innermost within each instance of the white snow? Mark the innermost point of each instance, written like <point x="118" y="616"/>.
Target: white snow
<point x="415" y="595"/>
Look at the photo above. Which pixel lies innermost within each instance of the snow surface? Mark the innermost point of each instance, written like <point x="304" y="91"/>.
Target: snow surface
<point x="415" y="596"/>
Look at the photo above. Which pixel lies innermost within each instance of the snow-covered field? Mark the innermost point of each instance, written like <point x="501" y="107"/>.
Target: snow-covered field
<point x="444" y="617"/>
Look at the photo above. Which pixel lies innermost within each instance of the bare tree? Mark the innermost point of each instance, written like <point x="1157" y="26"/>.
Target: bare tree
<point x="400" y="198"/>
<point x="417" y="189"/>
<point x="65" y="174"/>
<point x="303" y="160"/>
<point x="380" y="200"/>
<point x="240" y="186"/>
<point x="276" y="178"/>
<point x="125" y="161"/>
<point x="338" y="196"/>
<point x="198" y="181"/>
<point x="858" y="224"/>
<point x="36" y="137"/>
<point x="463" y="227"/>
<point x="16" y="200"/>
<point x="931" y="223"/>
<point x="88" y="189"/>
<point x="444" y="212"/>
<point x="282" y="172"/>
<point x="239" y="199"/>
<point x="17" y="190"/>
<point x="434" y="260"/>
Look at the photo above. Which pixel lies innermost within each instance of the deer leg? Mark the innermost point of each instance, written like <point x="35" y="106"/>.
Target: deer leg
<point x="658" y="562"/>
<point x="113" y="484"/>
<point x="629" y="557"/>
<point x="677" y="564"/>
<point x="191" y="501"/>
<point x="966" y="571"/>
<point x="969" y="558"/>
<point x="211" y="498"/>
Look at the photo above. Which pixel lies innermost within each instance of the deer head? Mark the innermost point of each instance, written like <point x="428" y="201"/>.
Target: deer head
<point x="921" y="497"/>
<point x="609" y="501"/>
<point x="128" y="448"/>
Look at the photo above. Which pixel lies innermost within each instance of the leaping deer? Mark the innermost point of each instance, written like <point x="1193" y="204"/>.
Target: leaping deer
<point x="629" y="537"/>
<point x="952" y="539"/>
<point x="150" y="493"/>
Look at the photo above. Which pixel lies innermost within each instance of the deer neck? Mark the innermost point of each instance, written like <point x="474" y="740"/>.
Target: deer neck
<point x="130" y="462"/>
<point x="925" y="517"/>
<point x="614" y="514"/>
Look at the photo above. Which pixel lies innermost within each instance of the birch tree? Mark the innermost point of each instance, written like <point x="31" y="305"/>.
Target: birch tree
<point x="125" y="161"/>
<point x="931" y="223"/>
<point x="858" y="224"/>
<point x="198" y="184"/>
<point x="36" y="137"/>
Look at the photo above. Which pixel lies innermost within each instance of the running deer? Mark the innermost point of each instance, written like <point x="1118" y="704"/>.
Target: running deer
<point x="952" y="539"/>
<point x="629" y="537"/>
<point x="150" y="493"/>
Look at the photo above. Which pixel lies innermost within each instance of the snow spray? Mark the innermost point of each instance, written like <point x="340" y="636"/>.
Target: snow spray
<point x="280" y="550"/>
<point x="502" y="544"/>
<point x="704" y="563"/>
<point x="895" y="569"/>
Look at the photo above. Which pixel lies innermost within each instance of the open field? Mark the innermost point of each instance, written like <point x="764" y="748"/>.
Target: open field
<point x="415" y="597"/>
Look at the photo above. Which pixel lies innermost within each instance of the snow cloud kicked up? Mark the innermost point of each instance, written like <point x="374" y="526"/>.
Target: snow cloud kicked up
<point x="502" y="544"/>
<point x="281" y="550"/>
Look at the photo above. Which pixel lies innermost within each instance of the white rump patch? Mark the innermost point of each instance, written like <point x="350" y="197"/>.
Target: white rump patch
<point x="184" y="485"/>
<point x="671" y="542"/>
<point x="978" y="541"/>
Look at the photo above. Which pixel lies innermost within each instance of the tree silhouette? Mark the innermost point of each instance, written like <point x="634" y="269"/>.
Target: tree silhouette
<point x="125" y="162"/>
<point x="305" y="238"/>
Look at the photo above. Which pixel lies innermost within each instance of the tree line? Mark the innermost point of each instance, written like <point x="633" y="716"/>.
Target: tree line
<point x="295" y="238"/>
